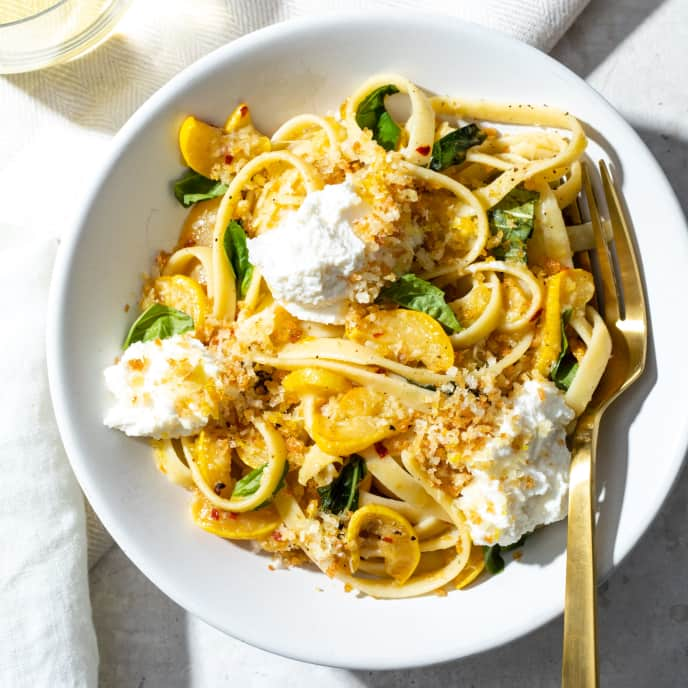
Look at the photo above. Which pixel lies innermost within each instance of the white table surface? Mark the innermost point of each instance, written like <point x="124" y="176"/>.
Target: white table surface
<point x="635" y="52"/>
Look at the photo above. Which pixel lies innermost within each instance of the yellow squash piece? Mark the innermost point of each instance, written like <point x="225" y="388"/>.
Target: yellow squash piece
<point x="550" y="342"/>
<point x="200" y="145"/>
<point x="406" y="336"/>
<point x="358" y="420"/>
<point x="214" y="459"/>
<point x="184" y="294"/>
<point x="206" y="148"/>
<point x="315" y="381"/>
<point x="249" y="525"/>
<point x="474" y="567"/>
<point x="571" y="288"/>
<point x="379" y="529"/>
<point x="240" y="117"/>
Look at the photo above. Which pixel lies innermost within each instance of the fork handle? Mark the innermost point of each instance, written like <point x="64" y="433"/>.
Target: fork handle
<point x="579" y="665"/>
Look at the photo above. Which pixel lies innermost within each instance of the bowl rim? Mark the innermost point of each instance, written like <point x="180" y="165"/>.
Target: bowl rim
<point x="69" y="244"/>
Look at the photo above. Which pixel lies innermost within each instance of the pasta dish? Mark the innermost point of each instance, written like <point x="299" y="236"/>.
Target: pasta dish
<point x="370" y="341"/>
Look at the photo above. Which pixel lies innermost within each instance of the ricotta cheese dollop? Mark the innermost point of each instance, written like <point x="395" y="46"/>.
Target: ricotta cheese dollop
<point x="307" y="259"/>
<point x="520" y="478"/>
<point x="163" y="388"/>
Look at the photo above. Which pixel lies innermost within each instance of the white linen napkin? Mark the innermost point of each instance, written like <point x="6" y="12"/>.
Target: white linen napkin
<point x="61" y="120"/>
<point x="46" y="634"/>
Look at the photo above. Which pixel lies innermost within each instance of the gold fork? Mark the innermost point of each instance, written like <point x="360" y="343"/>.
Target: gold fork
<point x="623" y="310"/>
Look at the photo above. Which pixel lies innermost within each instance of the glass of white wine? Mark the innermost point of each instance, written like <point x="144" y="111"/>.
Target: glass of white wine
<point x="41" y="33"/>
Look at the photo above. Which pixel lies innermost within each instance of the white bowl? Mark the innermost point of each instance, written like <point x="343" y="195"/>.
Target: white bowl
<point x="130" y="214"/>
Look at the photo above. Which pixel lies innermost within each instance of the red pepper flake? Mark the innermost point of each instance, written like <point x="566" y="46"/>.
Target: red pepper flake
<point x="244" y="110"/>
<point x="215" y="515"/>
<point x="536" y="315"/>
<point x="377" y="334"/>
<point x="386" y="538"/>
<point x="228" y="159"/>
<point x="381" y="450"/>
<point x="276" y="535"/>
<point x="233" y="516"/>
<point x="423" y="150"/>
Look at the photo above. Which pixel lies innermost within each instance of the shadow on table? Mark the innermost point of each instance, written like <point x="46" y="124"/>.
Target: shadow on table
<point x="142" y="637"/>
<point x="601" y="27"/>
<point x="672" y="154"/>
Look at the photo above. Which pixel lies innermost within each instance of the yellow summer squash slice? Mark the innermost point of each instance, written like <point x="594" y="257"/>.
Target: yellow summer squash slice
<point x="356" y="420"/>
<point x="210" y="150"/>
<point x="315" y="381"/>
<point x="474" y="567"/>
<point x="250" y="525"/>
<point x="200" y="145"/>
<point x="566" y="289"/>
<point x="550" y="342"/>
<point x="184" y="294"/>
<point x="213" y="457"/>
<point x="406" y="336"/>
<point x="378" y="531"/>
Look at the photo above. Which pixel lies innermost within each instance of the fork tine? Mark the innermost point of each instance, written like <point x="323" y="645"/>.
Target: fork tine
<point x="628" y="265"/>
<point x="610" y="299"/>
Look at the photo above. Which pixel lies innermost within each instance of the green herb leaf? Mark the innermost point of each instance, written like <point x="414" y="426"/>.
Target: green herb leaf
<point x="387" y="132"/>
<point x="371" y="114"/>
<point x="237" y="254"/>
<point x="514" y="217"/>
<point x="447" y="388"/>
<point x="415" y="293"/>
<point x="519" y="543"/>
<point x="192" y="187"/>
<point x="250" y="483"/>
<point x="493" y="559"/>
<point x="566" y="367"/>
<point x="342" y="493"/>
<point x="158" y="322"/>
<point x="451" y="149"/>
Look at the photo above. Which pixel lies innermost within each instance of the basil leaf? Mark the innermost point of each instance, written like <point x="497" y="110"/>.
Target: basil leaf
<point x="415" y="293"/>
<point x="447" y="388"/>
<point x="451" y="149"/>
<point x="515" y="545"/>
<point x="282" y="482"/>
<point x="493" y="559"/>
<point x="566" y="367"/>
<point x="371" y="114"/>
<point x="237" y="254"/>
<point x="250" y="483"/>
<point x="342" y="493"/>
<point x="192" y="187"/>
<point x="158" y="322"/>
<point x="514" y="217"/>
<point x="387" y="132"/>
